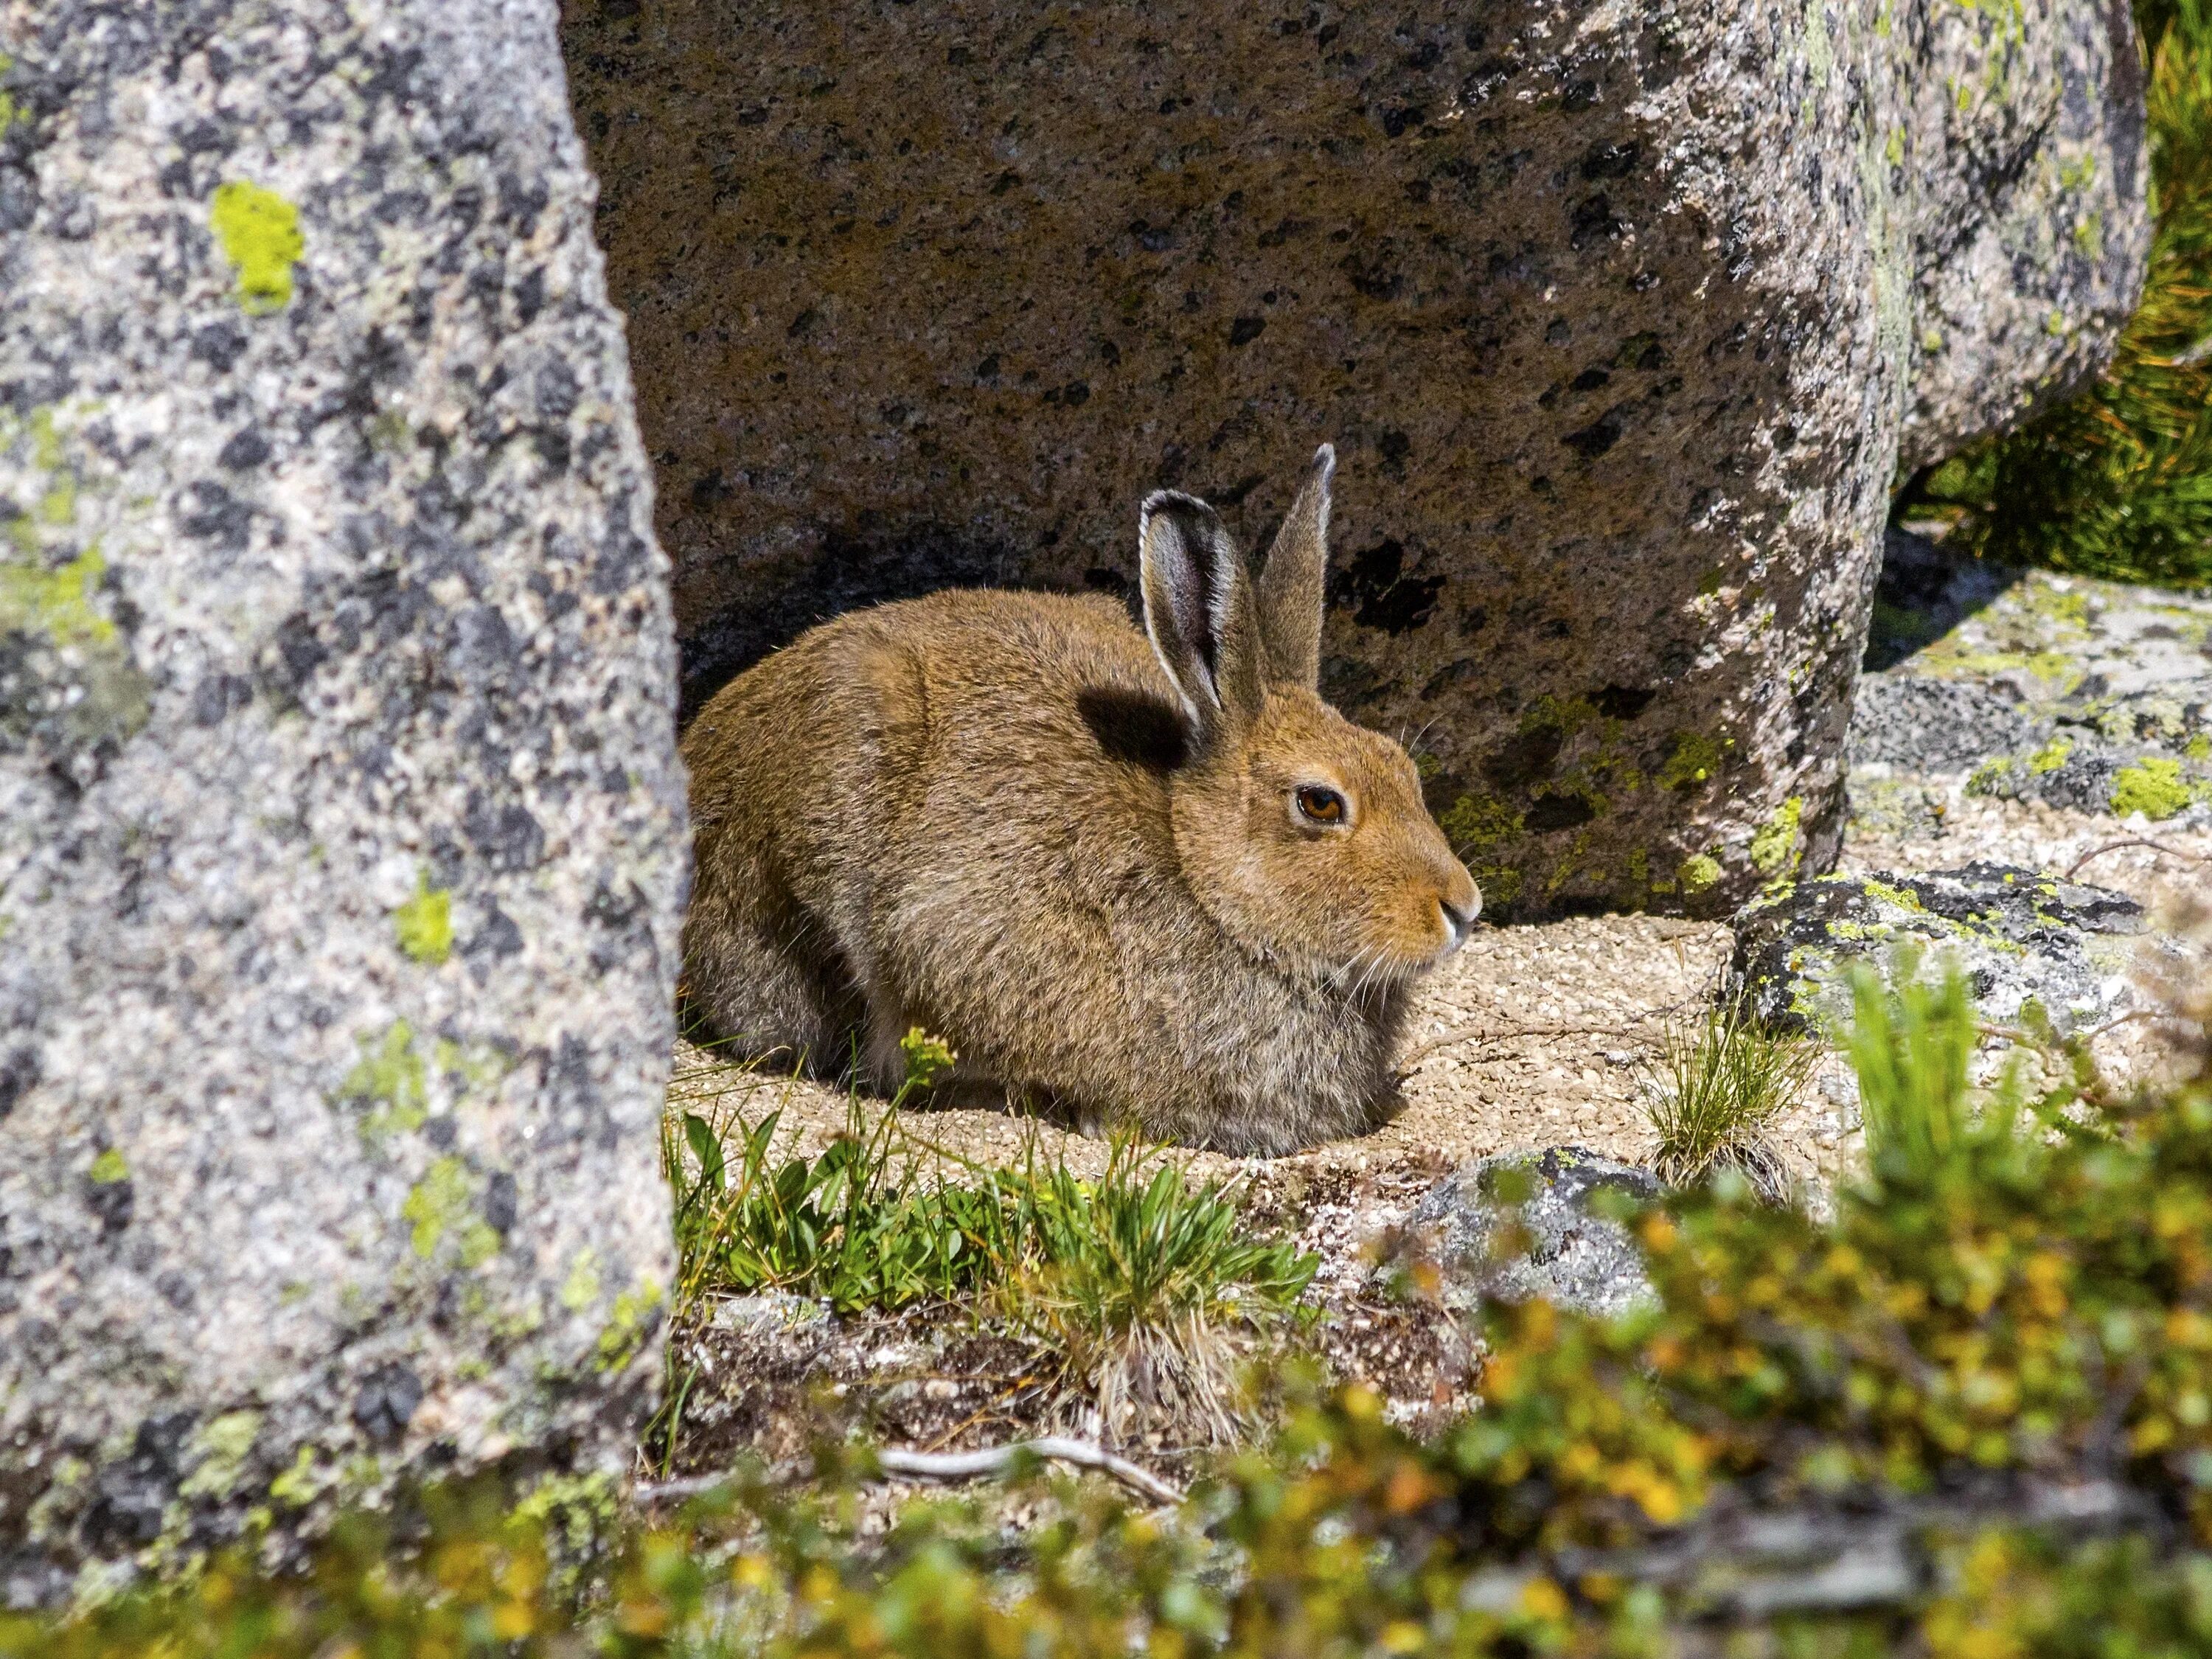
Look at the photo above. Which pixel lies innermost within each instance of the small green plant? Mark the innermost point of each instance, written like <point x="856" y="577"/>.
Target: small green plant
<point x="1716" y="1087"/>
<point x="1910" y="1045"/>
<point x="1142" y="1285"/>
<point x="1145" y="1289"/>
<point x="853" y="1225"/>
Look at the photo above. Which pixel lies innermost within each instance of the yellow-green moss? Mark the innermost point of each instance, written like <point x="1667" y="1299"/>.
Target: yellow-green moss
<point x="1699" y="873"/>
<point x="259" y="231"/>
<point x="220" y="1449"/>
<point x="1903" y="898"/>
<point x="626" y="1329"/>
<point x="581" y="1289"/>
<point x="1696" y="758"/>
<point x="2050" y="756"/>
<point x="108" y="1168"/>
<point x="425" y="924"/>
<point x="2153" y="788"/>
<point x="1474" y="821"/>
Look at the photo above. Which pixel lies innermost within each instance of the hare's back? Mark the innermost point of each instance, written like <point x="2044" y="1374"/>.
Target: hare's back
<point x="1036" y="703"/>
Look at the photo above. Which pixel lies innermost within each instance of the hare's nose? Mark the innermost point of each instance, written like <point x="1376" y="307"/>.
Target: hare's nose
<point x="1458" y="922"/>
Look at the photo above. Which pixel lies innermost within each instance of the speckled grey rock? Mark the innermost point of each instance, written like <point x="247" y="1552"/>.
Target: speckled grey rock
<point x="341" y="828"/>
<point x="2091" y="696"/>
<point x="1621" y="315"/>
<point x="2016" y="934"/>
<point x="1575" y="1256"/>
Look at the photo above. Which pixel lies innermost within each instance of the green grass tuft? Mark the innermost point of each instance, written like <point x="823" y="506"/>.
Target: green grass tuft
<point x="1145" y="1286"/>
<point x="1716" y="1087"/>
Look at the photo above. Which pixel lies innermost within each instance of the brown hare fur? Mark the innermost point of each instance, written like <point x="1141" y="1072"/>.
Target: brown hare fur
<point x="1153" y="882"/>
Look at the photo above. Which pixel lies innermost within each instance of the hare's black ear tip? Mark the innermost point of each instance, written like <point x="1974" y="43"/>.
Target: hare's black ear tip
<point x="1172" y="501"/>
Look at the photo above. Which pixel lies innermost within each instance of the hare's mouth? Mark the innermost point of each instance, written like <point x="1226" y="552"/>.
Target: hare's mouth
<point x="1384" y="968"/>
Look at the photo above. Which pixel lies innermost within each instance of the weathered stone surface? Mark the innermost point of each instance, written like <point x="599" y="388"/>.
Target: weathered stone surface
<point x="341" y="828"/>
<point x="2015" y="933"/>
<point x="1620" y="316"/>
<point x="1569" y="1252"/>
<point x="2088" y="695"/>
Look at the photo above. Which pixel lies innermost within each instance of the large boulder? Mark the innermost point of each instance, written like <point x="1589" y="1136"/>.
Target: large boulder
<point x="1622" y="316"/>
<point x="341" y="825"/>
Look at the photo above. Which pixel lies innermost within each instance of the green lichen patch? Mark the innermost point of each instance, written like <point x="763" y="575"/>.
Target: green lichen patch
<point x="1903" y="897"/>
<point x="425" y="924"/>
<point x="259" y="231"/>
<point x="635" y="1317"/>
<point x="1695" y="761"/>
<point x="301" y="1484"/>
<point x="1774" y="845"/>
<point x="581" y="1288"/>
<point x="1478" y="821"/>
<point x="1699" y="873"/>
<point x="2152" y="786"/>
<point x="389" y="1075"/>
<point x="2050" y="756"/>
<point x="220" y="1451"/>
<point x="442" y="1204"/>
<point x="108" y="1168"/>
<point x="56" y="605"/>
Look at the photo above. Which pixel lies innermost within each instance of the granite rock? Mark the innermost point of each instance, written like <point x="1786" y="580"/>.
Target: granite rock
<point x="2091" y="695"/>
<point x="1568" y="1252"/>
<point x="1622" y="318"/>
<point x="342" y="832"/>
<point x="2015" y="933"/>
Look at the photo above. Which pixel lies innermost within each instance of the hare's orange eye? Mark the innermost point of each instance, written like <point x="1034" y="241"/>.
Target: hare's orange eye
<point x="1320" y="806"/>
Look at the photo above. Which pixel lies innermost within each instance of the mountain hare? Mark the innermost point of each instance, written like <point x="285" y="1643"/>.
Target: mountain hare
<point x="1159" y="881"/>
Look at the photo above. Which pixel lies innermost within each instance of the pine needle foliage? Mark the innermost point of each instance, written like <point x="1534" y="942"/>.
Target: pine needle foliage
<point x="2118" y="482"/>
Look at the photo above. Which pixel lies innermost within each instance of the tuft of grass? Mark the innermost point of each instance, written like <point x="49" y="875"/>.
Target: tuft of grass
<point x="1716" y="1087"/>
<point x="2118" y="482"/>
<point x="856" y="1226"/>
<point x="1149" y="1290"/>
<point x="1910" y="1046"/>
<point x="1145" y="1286"/>
<point x="1912" y="1043"/>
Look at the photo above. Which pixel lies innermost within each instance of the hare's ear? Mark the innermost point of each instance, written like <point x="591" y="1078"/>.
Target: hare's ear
<point x="1198" y="609"/>
<point x="1290" y="590"/>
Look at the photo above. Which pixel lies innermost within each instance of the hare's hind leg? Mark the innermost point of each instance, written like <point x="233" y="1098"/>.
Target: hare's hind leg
<point x="764" y="984"/>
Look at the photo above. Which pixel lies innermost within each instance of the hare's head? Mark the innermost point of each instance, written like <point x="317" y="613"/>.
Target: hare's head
<point x="1302" y="834"/>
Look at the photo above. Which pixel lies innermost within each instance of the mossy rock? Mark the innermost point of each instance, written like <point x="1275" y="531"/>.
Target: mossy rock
<point x="2015" y="933"/>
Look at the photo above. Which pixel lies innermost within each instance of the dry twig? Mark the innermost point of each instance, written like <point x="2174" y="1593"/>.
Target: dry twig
<point x="961" y="1466"/>
<point x="2132" y="841"/>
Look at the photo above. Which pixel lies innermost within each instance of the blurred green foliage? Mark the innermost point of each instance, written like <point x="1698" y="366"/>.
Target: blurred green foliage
<point x="2014" y="1298"/>
<point x="2118" y="482"/>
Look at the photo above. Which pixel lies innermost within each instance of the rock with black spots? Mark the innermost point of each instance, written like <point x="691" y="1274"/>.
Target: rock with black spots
<point x="1622" y="318"/>
<point x="342" y="832"/>
<point x="1545" y="1225"/>
<point x="2017" y="935"/>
